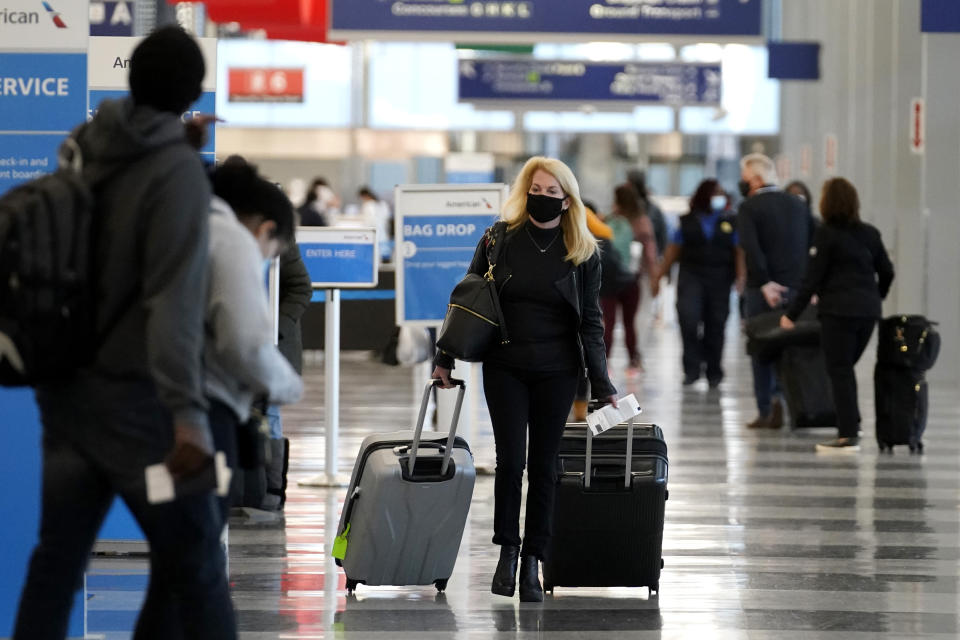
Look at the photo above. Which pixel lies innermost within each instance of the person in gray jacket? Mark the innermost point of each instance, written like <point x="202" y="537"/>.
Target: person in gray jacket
<point x="251" y="221"/>
<point x="141" y="402"/>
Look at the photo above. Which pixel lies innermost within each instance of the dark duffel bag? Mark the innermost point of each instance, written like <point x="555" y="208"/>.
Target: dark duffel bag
<point x="474" y="321"/>
<point x="609" y="509"/>
<point x="902" y="404"/>
<point x="802" y="372"/>
<point x="766" y="340"/>
<point x="911" y="342"/>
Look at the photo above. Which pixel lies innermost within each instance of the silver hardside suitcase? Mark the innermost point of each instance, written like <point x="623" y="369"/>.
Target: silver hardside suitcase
<point x="407" y="505"/>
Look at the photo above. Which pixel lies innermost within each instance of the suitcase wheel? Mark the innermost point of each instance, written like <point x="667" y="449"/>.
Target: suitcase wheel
<point x="548" y="588"/>
<point x="441" y="585"/>
<point x="654" y="589"/>
<point x="885" y="447"/>
<point x="916" y="448"/>
<point x="352" y="585"/>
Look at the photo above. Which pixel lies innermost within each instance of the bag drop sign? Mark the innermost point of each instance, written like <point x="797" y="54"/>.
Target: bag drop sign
<point x="437" y="231"/>
<point x="428" y="230"/>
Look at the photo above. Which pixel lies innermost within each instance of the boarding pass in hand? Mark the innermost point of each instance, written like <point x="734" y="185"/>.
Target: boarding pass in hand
<point x="610" y="416"/>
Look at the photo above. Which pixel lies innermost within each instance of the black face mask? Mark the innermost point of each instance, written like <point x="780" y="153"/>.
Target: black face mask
<point x="544" y="208"/>
<point x="744" y="187"/>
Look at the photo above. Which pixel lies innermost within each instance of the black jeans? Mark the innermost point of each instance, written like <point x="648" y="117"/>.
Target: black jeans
<point x="844" y="340"/>
<point x="701" y="301"/>
<point x="223" y="426"/>
<point x="98" y="439"/>
<point x="518" y="399"/>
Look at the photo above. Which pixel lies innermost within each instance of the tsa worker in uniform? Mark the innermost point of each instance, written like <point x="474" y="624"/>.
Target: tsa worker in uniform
<point x="850" y="271"/>
<point x="705" y="244"/>
<point x="548" y="276"/>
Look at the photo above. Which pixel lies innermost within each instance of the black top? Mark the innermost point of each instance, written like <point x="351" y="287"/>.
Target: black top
<point x="711" y="258"/>
<point x="776" y="232"/>
<point x="579" y="289"/>
<point x="542" y="325"/>
<point x="310" y="217"/>
<point x="296" y="292"/>
<point x="849" y="269"/>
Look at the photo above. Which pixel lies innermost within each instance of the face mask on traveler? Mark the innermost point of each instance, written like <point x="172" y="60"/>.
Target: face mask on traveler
<point x="718" y="203"/>
<point x="544" y="208"/>
<point x="744" y="187"/>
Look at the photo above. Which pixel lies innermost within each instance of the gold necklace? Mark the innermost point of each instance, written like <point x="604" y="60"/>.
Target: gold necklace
<point x="539" y="248"/>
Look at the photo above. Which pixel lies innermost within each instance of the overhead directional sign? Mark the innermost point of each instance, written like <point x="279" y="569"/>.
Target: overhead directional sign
<point x="339" y="258"/>
<point x="526" y="21"/>
<point x="574" y="81"/>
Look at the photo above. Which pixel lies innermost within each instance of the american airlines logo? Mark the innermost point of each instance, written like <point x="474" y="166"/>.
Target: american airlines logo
<point x="55" y="16"/>
<point x="18" y="17"/>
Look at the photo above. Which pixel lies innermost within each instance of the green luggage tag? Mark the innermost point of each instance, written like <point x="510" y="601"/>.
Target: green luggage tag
<point x="340" y="544"/>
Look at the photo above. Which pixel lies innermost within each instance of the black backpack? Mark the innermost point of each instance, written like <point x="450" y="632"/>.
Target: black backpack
<point x="909" y="342"/>
<point x="47" y="328"/>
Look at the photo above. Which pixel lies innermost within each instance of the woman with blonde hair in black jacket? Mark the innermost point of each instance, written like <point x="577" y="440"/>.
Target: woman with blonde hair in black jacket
<point x="548" y="278"/>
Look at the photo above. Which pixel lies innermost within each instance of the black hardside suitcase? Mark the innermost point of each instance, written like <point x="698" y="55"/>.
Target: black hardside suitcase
<point x="902" y="399"/>
<point x="806" y="387"/>
<point x="609" y="509"/>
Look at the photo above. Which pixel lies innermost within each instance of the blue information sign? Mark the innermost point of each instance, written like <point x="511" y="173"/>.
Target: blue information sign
<point x="578" y="81"/>
<point x="437" y="231"/>
<point x="338" y="258"/>
<point x="793" y="60"/>
<point x="112" y="17"/>
<point x="438" y="253"/>
<point x="940" y="16"/>
<point x="509" y="20"/>
<point x="41" y="96"/>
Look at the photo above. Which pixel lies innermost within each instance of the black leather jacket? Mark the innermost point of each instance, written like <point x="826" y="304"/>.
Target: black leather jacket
<point x="581" y="288"/>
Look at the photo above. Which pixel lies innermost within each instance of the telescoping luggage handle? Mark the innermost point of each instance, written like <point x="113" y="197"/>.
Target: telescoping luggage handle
<point x="453" y="426"/>
<point x="626" y="475"/>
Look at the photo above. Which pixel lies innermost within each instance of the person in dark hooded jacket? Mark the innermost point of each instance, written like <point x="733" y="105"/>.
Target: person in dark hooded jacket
<point x="141" y="402"/>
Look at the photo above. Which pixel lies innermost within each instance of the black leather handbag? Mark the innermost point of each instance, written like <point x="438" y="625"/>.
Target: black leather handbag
<point x="766" y="340"/>
<point x="474" y="321"/>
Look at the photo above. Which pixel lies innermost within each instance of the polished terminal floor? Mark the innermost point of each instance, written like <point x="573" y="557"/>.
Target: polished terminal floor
<point x="764" y="538"/>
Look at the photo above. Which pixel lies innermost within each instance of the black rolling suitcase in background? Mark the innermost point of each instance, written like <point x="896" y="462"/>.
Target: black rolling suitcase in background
<point x="907" y="347"/>
<point x="902" y="402"/>
<point x="609" y="509"/>
<point x="805" y="383"/>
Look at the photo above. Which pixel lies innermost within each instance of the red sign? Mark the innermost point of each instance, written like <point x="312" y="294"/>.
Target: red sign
<point x="304" y="20"/>
<point x="806" y="160"/>
<point x="784" y="168"/>
<point x="830" y="154"/>
<point x="918" y="126"/>
<point x="265" y="85"/>
<point x="255" y="13"/>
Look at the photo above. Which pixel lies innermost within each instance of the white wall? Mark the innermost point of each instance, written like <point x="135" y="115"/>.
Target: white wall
<point x="874" y="62"/>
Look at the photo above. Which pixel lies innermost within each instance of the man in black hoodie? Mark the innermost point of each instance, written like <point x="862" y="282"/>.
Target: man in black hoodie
<point x="141" y="402"/>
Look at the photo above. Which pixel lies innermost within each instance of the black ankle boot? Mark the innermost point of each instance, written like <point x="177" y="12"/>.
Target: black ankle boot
<point x="530" y="589"/>
<point x="505" y="577"/>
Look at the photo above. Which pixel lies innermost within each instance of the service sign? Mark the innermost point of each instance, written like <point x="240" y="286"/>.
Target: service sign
<point x="526" y="21"/>
<point x="437" y="231"/>
<point x="43" y="83"/>
<point x="573" y="81"/>
<point x="340" y="258"/>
